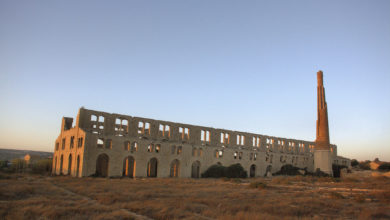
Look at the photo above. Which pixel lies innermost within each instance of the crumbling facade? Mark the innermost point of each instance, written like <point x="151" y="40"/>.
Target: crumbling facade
<point x="114" y="145"/>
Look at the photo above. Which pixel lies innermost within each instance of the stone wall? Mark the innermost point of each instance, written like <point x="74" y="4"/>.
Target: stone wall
<point x="178" y="148"/>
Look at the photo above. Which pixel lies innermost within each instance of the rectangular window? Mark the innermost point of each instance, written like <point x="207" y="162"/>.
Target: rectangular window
<point x="179" y="150"/>
<point x="80" y="142"/>
<point x="158" y="148"/>
<point x="57" y="145"/>
<point x="126" y="145"/>
<point x="63" y="143"/>
<point x="225" y="137"/>
<point x="164" y="130"/>
<point x="143" y="127"/>
<point x="256" y="142"/>
<point x="205" y="136"/>
<point x="240" y="139"/>
<point x="270" y="141"/>
<point x="71" y="142"/>
<point x="121" y="126"/>
<point x="100" y="142"/>
<point x="134" y="147"/>
<point x="184" y="133"/>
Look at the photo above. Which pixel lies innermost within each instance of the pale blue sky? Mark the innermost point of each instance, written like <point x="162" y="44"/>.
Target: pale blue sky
<point x="240" y="65"/>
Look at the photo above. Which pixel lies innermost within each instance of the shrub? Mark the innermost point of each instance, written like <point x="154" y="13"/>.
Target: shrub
<point x="215" y="171"/>
<point x="235" y="171"/>
<point x="288" y="169"/>
<point x="354" y="163"/>
<point x="365" y="165"/>
<point x="218" y="171"/>
<point x="384" y="167"/>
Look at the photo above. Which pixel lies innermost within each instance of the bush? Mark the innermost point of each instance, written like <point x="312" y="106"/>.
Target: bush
<point x="215" y="171"/>
<point x="218" y="171"/>
<point x="354" y="163"/>
<point x="288" y="169"/>
<point x="384" y="167"/>
<point x="235" y="171"/>
<point x="365" y="165"/>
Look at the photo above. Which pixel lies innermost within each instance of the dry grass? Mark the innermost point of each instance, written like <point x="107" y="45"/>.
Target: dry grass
<point x="38" y="197"/>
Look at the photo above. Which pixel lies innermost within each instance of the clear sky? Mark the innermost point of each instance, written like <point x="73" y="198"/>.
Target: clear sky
<point x="241" y="65"/>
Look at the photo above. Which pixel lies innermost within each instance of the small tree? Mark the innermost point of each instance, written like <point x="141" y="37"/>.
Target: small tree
<point x="365" y="165"/>
<point x="384" y="167"/>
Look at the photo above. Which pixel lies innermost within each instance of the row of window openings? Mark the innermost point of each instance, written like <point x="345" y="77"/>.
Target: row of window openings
<point x="151" y="147"/>
<point x="236" y="155"/>
<point x="284" y="159"/>
<point x="164" y="130"/>
<point x="71" y="144"/>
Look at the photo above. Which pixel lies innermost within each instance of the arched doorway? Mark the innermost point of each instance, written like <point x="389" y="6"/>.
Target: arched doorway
<point x="252" y="171"/>
<point x="55" y="165"/>
<point x="175" y="168"/>
<point x="102" y="165"/>
<point x="70" y="164"/>
<point x="195" y="169"/>
<point x="268" y="171"/>
<point x="152" y="167"/>
<point x="61" y="163"/>
<point x="129" y="166"/>
<point x="78" y="166"/>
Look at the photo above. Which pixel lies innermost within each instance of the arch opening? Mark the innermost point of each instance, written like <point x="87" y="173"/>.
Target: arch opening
<point x="102" y="165"/>
<point x="78" y="166"/>
<point x="175" y="168"/>
<point x="152" y="168"/>
<point x="195" y="169"/>
<point x="252" y="171"/>
<point x="61" y="163"/>
<point x="70" y="164"/>
<point x="128" y="167"/>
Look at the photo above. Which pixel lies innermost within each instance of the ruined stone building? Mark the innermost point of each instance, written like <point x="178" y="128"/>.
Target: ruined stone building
<point x="105" y="144"/>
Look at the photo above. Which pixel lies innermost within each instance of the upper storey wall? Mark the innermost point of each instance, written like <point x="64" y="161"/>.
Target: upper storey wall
<point x="103" y="123"/>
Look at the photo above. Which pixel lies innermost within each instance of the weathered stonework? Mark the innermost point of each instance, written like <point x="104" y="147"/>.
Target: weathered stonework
<point x="322" y="154"/>
<point x="107" y="144"/>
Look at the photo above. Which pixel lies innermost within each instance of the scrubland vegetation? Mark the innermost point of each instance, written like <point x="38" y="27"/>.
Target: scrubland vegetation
<point x="32" y="196"/>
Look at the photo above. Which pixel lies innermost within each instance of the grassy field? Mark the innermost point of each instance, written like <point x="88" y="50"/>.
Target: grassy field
<point x="44" y="197"/>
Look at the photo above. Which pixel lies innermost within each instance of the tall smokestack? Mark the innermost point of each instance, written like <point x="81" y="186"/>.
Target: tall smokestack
<point x="322" y="139"/>
<point x="322" y="154"/>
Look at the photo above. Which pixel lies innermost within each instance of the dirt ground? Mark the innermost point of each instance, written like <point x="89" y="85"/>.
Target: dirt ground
<point x="24" y="196"/>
